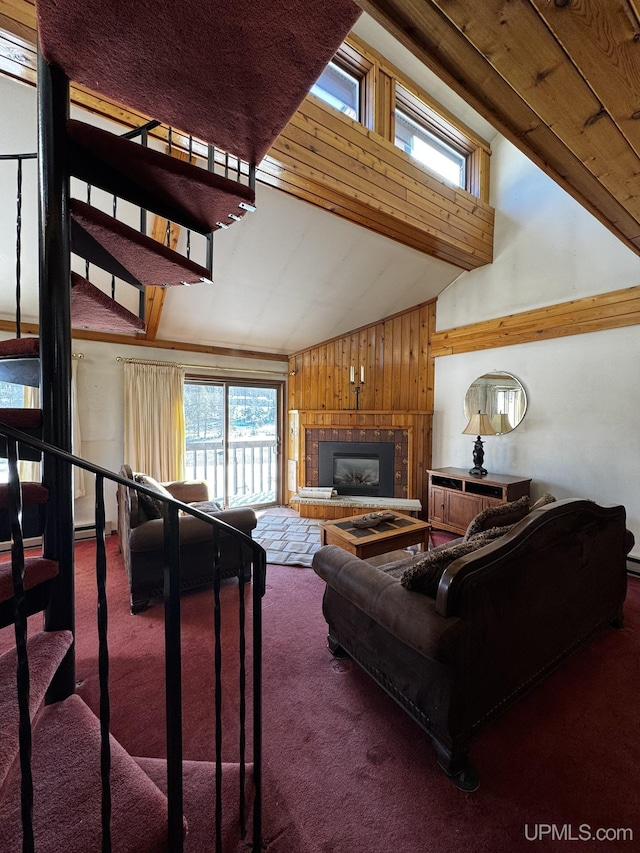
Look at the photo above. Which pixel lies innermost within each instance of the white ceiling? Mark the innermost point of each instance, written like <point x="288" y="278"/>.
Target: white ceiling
<point x="291" y="275"/>
<point x="287" y="276"/>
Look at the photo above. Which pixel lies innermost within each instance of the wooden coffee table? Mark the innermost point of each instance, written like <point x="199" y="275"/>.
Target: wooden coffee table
<point x="366" y="542"/>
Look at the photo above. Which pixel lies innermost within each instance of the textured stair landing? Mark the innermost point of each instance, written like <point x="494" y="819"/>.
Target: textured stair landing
<point x="46" y="651"/>
<point x="66" y="771"/>
<point x="199" y="801"/>
<point x="236" y="73"/>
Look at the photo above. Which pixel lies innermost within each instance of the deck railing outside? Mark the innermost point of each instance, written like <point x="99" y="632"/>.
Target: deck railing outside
<point x="251" y="467"/>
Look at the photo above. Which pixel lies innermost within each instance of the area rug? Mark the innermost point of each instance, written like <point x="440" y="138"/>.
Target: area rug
<point x="288" y="539"/>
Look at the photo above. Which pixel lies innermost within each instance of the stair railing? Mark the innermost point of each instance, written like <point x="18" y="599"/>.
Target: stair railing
<point x="19" y="159"/>
<point x="216" y="160"/>
<point x="245" y="545"/>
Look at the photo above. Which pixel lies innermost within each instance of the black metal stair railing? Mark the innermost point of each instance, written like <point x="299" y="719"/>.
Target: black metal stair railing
<point x="214" y="159"/>
<point x="19" y="160"/>
<point x="248" y="550"/>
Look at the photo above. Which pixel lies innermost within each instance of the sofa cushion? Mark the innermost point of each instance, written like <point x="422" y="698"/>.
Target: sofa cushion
<point x="425" y="572"/>
<point x="152" y="508"/>
<point x="502" y="515"/>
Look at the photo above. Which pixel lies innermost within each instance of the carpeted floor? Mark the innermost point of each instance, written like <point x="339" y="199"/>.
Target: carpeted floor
<point x="345" y="770"/>
<point x="288" y="539"/>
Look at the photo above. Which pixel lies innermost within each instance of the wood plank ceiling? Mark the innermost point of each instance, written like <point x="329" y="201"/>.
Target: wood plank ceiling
<point x="559" y="78"/>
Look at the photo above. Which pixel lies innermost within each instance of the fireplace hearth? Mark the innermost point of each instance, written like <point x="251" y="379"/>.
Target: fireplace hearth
<point x="357" y="467"/>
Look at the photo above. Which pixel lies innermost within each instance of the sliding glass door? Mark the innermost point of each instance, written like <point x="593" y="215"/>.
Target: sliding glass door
<point x="233" y="440"/>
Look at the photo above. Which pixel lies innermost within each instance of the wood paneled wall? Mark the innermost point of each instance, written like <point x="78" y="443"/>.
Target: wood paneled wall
<point x="340" y="165"/>
<point x="395" y="354"/>
<point x="325" y="158"/>
<point x="397" y="392"/>
<point x="416" y="425"/>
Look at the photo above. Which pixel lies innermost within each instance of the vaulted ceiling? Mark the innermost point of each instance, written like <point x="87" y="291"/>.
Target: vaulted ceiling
<point x="559" y="78"/>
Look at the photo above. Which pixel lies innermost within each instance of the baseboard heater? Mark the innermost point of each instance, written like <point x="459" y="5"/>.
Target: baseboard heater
<point x="83" y="531"/>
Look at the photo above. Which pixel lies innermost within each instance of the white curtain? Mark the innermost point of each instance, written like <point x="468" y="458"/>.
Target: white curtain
<point x="79" y="487"/>
<point x="29" y="472"/>
<point x="154" y="432"/>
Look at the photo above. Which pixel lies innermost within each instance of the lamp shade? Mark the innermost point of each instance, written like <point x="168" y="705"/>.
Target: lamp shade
<point x="500" y="423"/>
<point x="479" y="424"/>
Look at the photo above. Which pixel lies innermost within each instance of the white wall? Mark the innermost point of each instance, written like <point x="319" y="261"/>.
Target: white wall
<point x="580" y="435"/>
<point x="101" y="402"/>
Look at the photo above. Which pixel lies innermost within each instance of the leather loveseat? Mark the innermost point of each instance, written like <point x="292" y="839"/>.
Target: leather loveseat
<point x="141" y="535"/>
<point x="487" y="626"/>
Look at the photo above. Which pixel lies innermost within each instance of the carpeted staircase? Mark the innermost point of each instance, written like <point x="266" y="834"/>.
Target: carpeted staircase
<point x="231" y="74"/>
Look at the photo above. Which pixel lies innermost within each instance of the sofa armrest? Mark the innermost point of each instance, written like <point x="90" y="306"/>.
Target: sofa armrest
<point x="242" y="518"/>
<point x="150" y="535"/>
<point x="188" y="491"/>
<point x="409" y="616"/>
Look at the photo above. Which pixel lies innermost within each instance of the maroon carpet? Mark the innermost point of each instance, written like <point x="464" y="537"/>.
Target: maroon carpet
<point x="346" y="771"/>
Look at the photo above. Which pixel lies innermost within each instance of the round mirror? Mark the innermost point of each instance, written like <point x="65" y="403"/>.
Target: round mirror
<point x="501" y="397"/>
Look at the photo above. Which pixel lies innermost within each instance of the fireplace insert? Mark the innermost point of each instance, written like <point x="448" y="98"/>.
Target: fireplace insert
<point x="357" y="467"/>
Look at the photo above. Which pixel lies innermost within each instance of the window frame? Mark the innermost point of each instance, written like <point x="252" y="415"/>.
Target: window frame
<point x="353" y="62"/>
<point x="384" y="87"/>
<point x="425" y="116"/>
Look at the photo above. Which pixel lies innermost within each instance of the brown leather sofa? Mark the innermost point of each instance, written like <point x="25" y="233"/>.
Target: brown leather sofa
<point x="502" y="618"/>
<point x="141" y="536"/>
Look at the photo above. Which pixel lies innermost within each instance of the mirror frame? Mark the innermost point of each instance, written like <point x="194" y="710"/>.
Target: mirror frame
<point x="504" y="381"/>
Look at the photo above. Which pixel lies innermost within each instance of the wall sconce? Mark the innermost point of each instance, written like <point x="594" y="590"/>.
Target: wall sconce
<point x="479" y="424"/>
<point x="352" y="381"/>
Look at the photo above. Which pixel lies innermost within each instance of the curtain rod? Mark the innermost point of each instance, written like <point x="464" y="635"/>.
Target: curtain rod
<point x="198" y="366"/>
<point x="77" y="355"/>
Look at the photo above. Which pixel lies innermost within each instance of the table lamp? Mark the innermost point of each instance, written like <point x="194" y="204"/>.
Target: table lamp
<point x="479" y="424"/>
<point x="501" y="424"/>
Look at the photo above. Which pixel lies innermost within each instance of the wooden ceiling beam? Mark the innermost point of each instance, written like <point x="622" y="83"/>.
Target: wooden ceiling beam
<point x="601" y="38"/>
<point x="516" y="41"/>
<point x="465" y="43"/>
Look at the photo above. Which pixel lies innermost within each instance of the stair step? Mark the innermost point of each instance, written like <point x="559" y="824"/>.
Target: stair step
<point x="199" y="780"/>
<point x="34" y="510"/>
<point x="91" y="308"/>
<point x="37" y="570"/>
<point x="15" y="347"/>
<point x="32" y="494"/>
<point x="181" y="192"/>
<point x="128" y="254"/>
<point x="28" y="421"/>
<point x="19" y="361"/>
<point x="67" y="790"/>
<point x="46" y="651"/>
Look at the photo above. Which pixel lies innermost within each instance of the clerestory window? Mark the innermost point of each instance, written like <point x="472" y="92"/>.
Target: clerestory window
<point x="339" y="88"/>
<point x="422" y="143"/>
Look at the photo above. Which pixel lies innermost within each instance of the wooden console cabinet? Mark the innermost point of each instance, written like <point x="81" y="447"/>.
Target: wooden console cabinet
<point x="455" y="496"/>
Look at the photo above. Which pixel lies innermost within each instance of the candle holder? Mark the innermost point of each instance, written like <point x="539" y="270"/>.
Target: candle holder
<point x="357" y="388"/>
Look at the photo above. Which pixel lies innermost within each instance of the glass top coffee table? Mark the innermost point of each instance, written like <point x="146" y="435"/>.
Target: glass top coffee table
<point x="400" y="532"/>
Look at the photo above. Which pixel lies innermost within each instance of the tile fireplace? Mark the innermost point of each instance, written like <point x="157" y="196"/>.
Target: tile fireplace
<point x="371" y="462"/>
<point x="357" y="467"/>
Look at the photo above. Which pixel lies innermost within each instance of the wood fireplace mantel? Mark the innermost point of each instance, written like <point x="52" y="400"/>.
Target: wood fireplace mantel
<point x="409" y="430"/>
